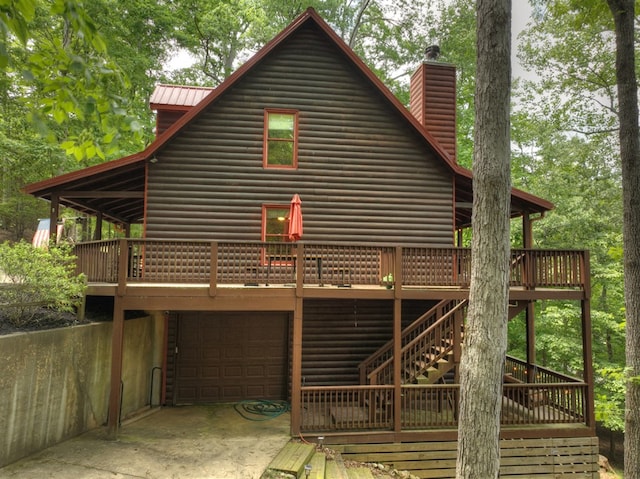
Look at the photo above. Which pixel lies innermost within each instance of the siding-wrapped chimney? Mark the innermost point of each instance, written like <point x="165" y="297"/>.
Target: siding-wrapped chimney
<point x="433" y="101"/>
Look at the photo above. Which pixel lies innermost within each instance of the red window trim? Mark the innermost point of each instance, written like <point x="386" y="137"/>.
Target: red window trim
<point x="265" y="139"/>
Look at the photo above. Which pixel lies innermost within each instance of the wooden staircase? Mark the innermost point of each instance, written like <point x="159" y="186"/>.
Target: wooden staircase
<point x="430" y="348"/>
<point x="437" y="371"/>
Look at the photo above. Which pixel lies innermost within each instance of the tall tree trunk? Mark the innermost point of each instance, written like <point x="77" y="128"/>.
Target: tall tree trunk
<point x="624" y="15"/>
<point x="482" y="365"/>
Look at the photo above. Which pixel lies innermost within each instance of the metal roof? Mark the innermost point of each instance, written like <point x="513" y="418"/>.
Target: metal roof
<point x="177" y="96"/>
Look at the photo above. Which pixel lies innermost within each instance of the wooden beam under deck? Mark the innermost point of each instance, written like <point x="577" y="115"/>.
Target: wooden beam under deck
<point x="198" y="299"/>
<point x="266" y="295"/>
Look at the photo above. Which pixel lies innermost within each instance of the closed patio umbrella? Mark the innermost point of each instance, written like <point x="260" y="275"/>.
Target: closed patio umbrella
<point x="295" y="219"/>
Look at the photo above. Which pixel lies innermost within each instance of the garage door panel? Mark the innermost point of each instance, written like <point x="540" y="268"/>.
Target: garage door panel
<point x="255" y="371"/>
<point x="187" y="391"/>
<point x="233" y="352"/>
<point x="232" y="391"/>
<point x="188" y="372"/>
<point x="211" y="353"/>
<point x="233" y="372"/>
<point x="231" y="356"/>
<point x="211" y="372"/>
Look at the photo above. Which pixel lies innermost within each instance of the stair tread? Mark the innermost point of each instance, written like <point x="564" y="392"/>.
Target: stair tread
<point x="318" y="466"/>
<point x="292" y="458"/>
<point x="360" y="473"/>
<point x="335" y="468"/>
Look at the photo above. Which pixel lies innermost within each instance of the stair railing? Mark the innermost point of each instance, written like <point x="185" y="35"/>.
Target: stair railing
<point x="429" y="338"/>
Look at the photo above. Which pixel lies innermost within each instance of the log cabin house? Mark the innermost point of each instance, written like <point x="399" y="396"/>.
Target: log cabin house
<point x="357" y="320"/>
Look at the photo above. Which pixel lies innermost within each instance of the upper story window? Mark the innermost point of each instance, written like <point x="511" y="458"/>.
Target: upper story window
<point x="280" y="139"/>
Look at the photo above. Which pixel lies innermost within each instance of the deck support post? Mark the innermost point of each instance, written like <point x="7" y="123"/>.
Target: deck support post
<point x="587" y="352"/>
<point x="213" y="269"/>
<point x="530" y="320"/>
<point x="53" y="217"/>
<point x="527" y="231"/>
<point x="97" y="234"/>
<point x="397" y="341"/>
<point x="123" y="267"/>
<point x="296" y="369"/>
<point x="115" y="399"/>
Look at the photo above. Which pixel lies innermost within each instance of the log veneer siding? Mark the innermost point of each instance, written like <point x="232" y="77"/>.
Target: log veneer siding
<point x="362" y="176"/>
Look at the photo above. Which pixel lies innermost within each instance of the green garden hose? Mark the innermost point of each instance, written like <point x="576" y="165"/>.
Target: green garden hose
<point x="261" y="409"/>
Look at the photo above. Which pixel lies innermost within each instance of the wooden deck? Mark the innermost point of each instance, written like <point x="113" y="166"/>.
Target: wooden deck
<point x="152" y="268"/>
<point x="211" y="276"/>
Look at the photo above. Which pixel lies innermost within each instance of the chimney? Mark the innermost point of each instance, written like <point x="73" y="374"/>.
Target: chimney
<point x="433" y="99"/>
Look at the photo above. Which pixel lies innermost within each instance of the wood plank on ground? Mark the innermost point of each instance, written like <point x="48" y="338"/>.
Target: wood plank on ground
<point x="292" y="458"/>
<point x="359" y="473"/>
<point x="318" y="465"/>
<point x="335" y="469"/>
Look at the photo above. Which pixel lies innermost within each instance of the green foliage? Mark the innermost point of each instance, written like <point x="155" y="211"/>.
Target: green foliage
<point x="565" y="132"/>
<point x="37" y="278"/>
<point x="609" y="403"/>
<point x="455" y="32"/>
<point x="53" y="53"/>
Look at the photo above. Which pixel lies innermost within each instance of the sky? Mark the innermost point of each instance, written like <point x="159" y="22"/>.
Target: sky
<point x="520" y="16"/>
<point x="521" y="13"/>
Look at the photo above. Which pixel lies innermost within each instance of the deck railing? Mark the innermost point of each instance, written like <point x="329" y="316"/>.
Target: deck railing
<point x="423" y="407"/>
<point x="522" y="372"/>
<point x="249" y="263"/>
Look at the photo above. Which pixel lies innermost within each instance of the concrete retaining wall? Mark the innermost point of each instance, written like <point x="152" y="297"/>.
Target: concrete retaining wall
<point x="55" y="384"/>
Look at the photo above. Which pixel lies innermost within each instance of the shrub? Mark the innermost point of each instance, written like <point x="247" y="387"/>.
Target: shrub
<point x="38" y="278"/>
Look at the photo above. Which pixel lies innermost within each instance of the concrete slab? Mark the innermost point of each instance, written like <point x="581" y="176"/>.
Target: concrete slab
<point x="191" y="442"/>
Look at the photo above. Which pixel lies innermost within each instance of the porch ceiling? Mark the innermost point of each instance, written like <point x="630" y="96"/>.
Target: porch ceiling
<point x="117" y="193"/>
<point x="521" y="202"/>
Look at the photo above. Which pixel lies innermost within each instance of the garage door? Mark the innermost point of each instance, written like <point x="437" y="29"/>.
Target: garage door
<point x="228" y="357"/>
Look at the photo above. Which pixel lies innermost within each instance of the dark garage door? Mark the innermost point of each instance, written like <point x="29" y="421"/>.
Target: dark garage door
<point x="228" y="357"/>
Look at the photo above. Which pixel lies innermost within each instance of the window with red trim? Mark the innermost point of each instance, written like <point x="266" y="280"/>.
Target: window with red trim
<point x="275" y="223"/>
<point x="275" y="229"/>
<point x="280" y="139"/>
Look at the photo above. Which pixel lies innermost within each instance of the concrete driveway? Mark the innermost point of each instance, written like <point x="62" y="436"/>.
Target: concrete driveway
<point x="190" y="442"/>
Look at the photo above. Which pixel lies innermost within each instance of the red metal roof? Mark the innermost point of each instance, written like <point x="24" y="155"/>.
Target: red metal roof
<point x="182" y="97"/>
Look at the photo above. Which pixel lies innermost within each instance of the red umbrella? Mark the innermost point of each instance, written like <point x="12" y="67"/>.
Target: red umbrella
<point x="295" y="219"/>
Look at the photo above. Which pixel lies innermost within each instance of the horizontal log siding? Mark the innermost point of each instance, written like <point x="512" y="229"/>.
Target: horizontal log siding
<point x="363" y="175"/>
<point x="339" y="334"/>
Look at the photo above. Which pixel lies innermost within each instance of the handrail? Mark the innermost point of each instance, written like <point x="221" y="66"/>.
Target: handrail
<point x="435" y="335"/>
<point x="386" y="350"/>
<point x="520" y="371"/>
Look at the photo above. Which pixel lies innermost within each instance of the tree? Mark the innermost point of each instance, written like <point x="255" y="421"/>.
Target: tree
<point x="485" y="343"/>
<point x="389" y="36"/>
<point x="566" y="132"/>
<point x="624" y="17"/>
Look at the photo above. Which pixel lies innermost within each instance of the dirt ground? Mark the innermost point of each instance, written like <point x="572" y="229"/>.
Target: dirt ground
<point x="194" y="442"/>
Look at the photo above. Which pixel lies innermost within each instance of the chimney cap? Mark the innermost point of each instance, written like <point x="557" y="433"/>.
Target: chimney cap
<point x="432" y="52"/>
